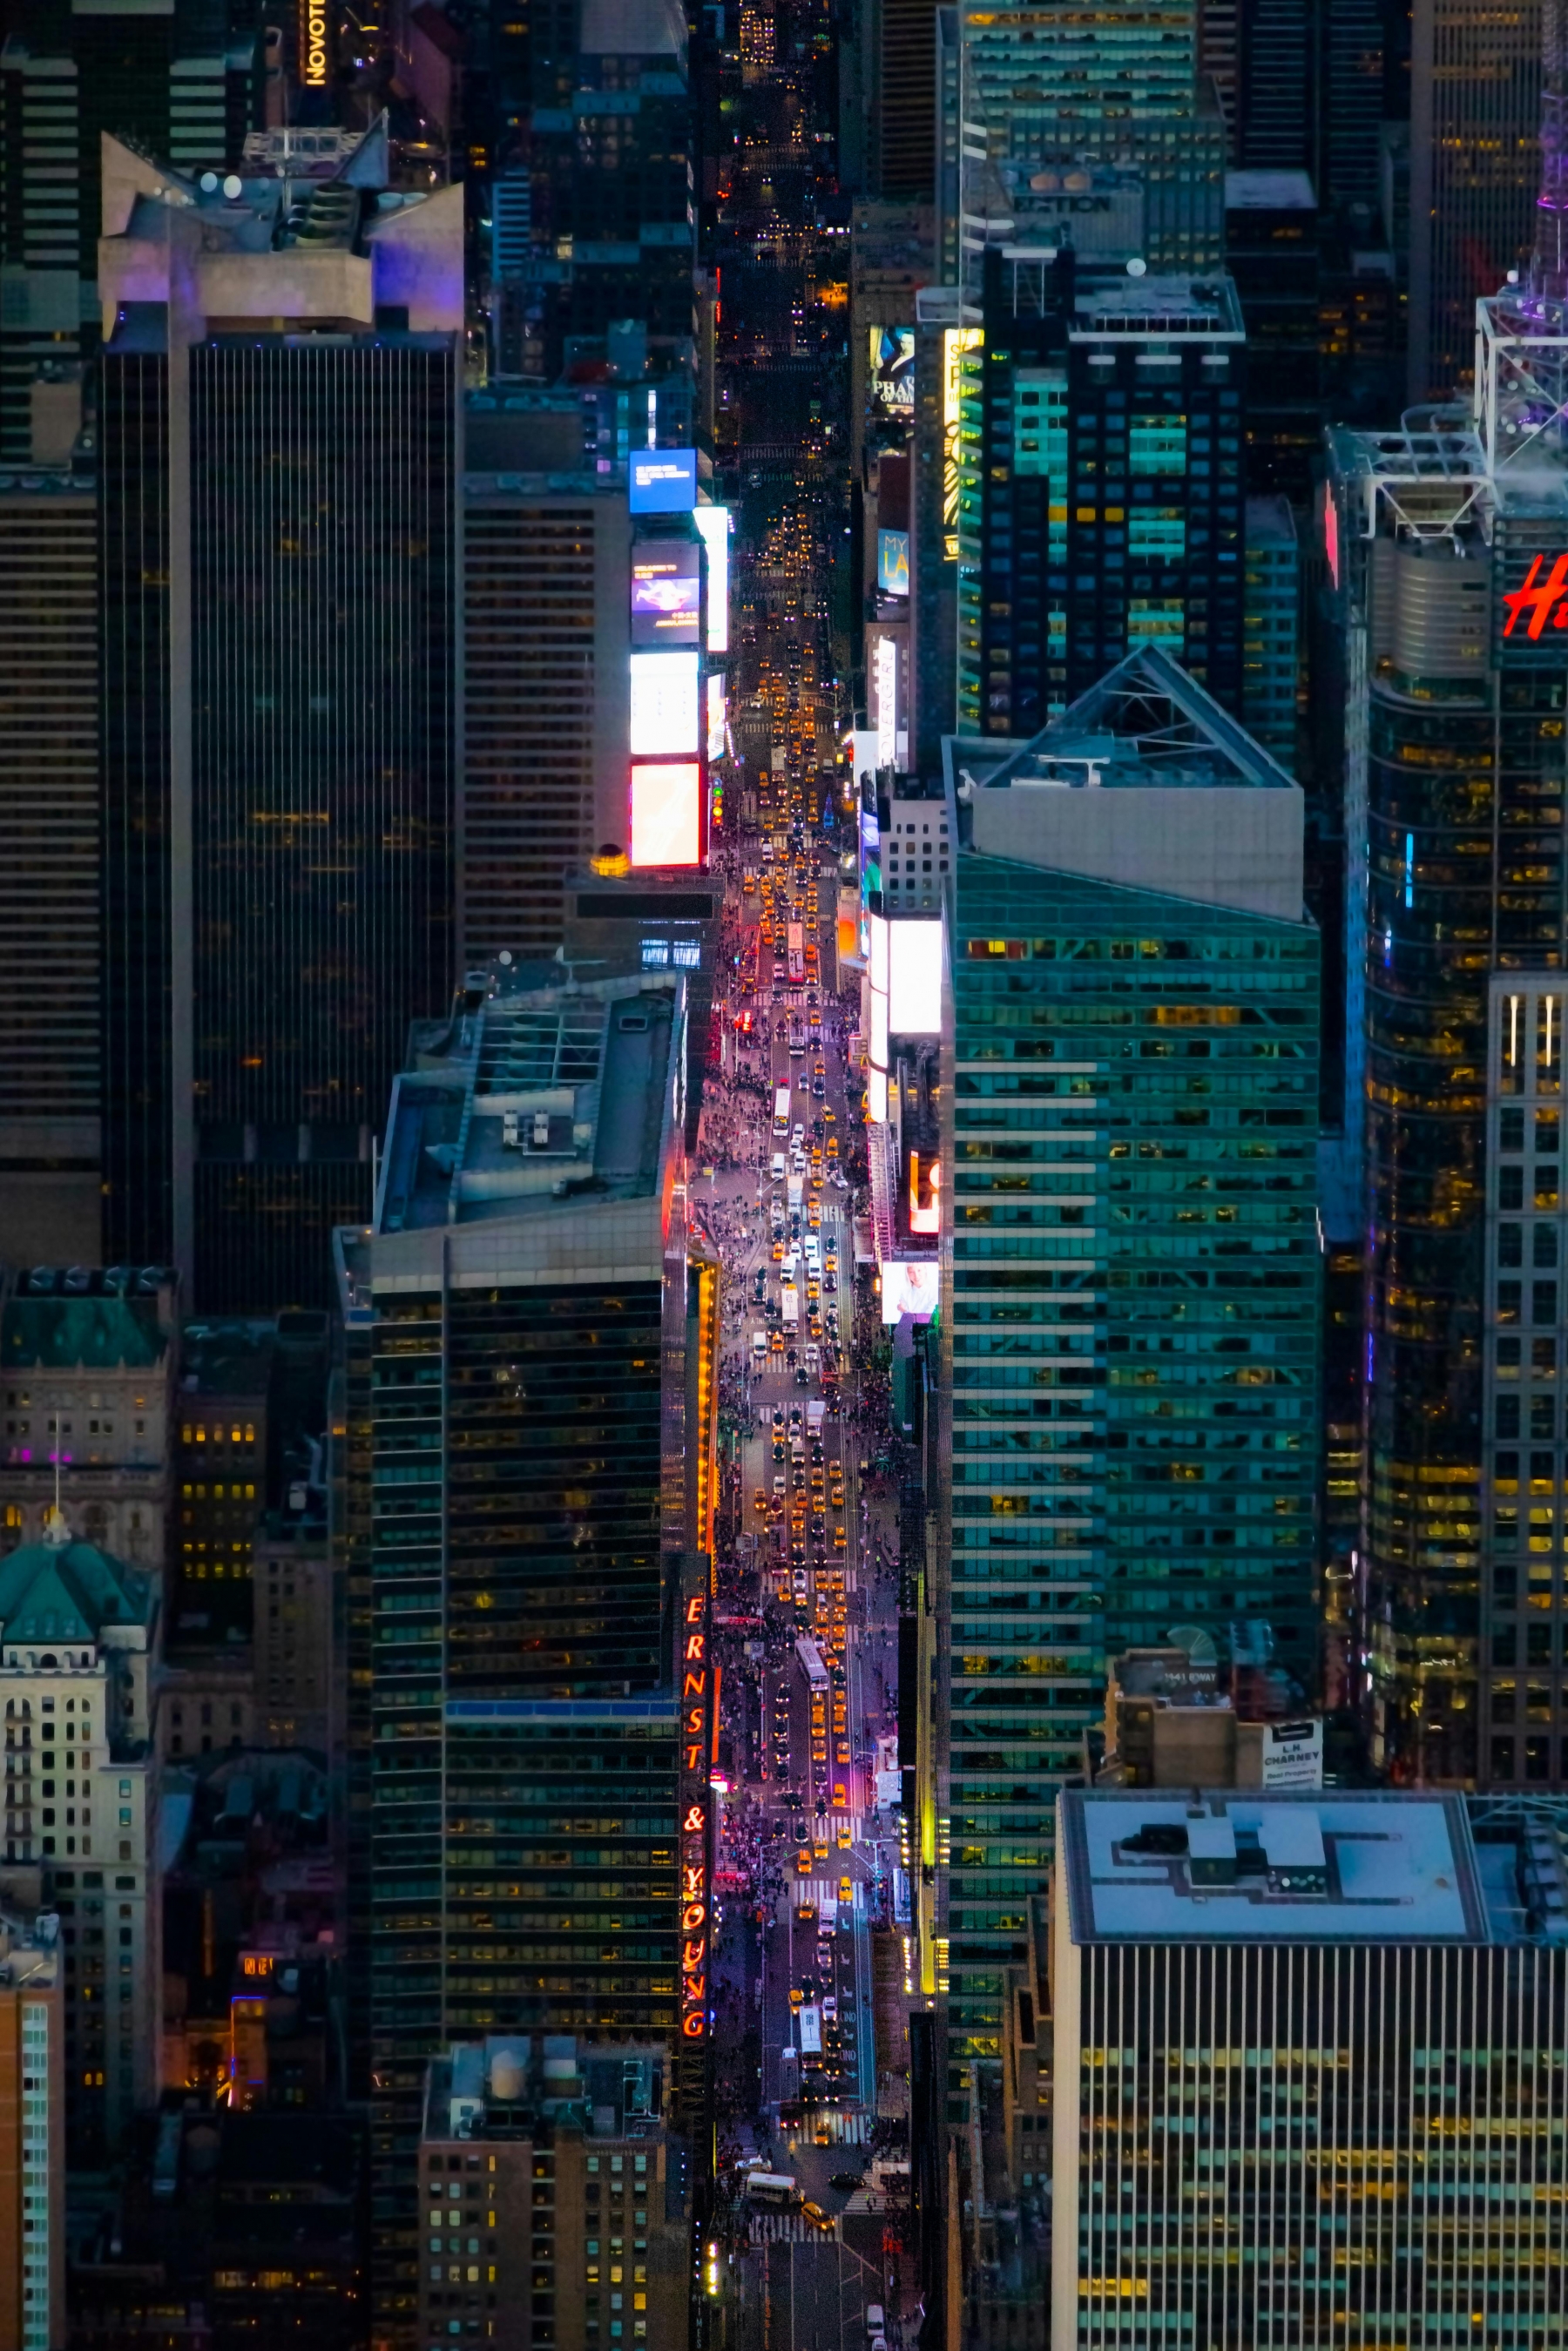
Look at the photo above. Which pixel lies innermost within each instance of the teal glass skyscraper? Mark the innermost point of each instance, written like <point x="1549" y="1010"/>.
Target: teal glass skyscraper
<point x="1132" y="1304"/>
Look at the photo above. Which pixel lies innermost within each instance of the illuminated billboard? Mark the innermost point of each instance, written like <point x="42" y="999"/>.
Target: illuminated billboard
<point x="891" y="368"/>
<point x="664" y="706"/>
<point x="712" y="525"/>
<point x="892" y="563"/>
<point x="666" y="814"/>
<point x="910" y="1285"/>
<point x="662" y="481"/>
<point x="715" y="735"/>
<point x="915" y="977"/>
<point x="667" y="593"/>
<point x="886" y="673"/>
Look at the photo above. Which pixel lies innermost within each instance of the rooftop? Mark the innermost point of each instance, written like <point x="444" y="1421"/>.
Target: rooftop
<point x="1273" y="192"/>
<point x="1385" y="1866"/>
<point x="516" y="2085"/>
<point x="538" y="1091"/>
<point x="61" y="1590"/>
<point x="1146" y="724"/>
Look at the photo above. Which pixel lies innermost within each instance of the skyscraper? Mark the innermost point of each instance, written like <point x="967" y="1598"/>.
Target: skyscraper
<point x="279" y="494"/>
<point x="1099" y="493"/>
<point x="32" y="2128"/>
<point x="170" y="74"/>
<point x="49" y="826"/>
<point x="1133" y="1308"/>
<point x="1264" y="2025"/>
<point x="1475" y="164"/>
<point x="531" y="1394"/>
<point x="1443" y="539"/>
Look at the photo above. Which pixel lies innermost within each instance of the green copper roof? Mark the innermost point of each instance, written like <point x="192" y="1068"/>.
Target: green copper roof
<point x="62" y="1334"/>
<point x="68" y="1592"/>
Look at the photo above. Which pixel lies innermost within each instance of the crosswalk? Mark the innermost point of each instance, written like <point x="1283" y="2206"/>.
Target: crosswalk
<point x="817" y="1890"/>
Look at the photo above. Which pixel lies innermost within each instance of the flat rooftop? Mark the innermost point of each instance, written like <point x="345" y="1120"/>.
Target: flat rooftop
<point x="1319" y="1866"/>
<point x="539" y="1089"/>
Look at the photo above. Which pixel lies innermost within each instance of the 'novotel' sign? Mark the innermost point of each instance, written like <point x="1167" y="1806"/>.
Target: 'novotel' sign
<point x="314" y="42"/>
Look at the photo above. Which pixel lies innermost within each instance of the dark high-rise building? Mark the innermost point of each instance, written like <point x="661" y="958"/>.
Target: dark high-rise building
<point x="1271" y="252"/>
<point x="530" y="1413"/>
<point x="278" y="512"/>
<point x="48" y="869"/>
<point x="596" y="222"/>
<point x="171" y="74"/>
<point x="1098" y="490"/>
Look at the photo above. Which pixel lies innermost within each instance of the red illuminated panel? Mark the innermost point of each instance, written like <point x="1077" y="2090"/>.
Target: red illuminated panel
<point x="666" y="810"/>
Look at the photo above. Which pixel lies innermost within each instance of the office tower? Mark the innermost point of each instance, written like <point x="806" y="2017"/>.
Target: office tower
<point x="1272" y="252"/>
<point x="278" y="504"/>
<point x="551" y="2158"/>
<point x="1044" y="101"/>
<point x="1520" y="1733"/>
<point x="1475" y="162"/>
<point x="1133" y="1350"/>
<point x="1443" y="545"/>
<point x="32" y="2128"/>
<point x="1270" y="603"/>
<point x="89" y="1360"/>
<point x="1100" y="489"/>
<point x="220" y="1467"/>
<point x="175" y="79"/>
<point x="888" y="113"/>
<point x="546" y="582"/>
<point x="49" y="1203"/>
<point x="1263" y="2021"/>
<point x="610" y="236"/>
<point x="1273" y="123"/>
<point x="530" y="1414"/>
<point x="77" y="1632"/>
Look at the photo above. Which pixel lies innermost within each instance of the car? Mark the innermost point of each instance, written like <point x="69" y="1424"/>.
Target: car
<point x="803" y="1865"/>
<point x="759" y="1501"/>
<point x="778" y="1485"/>
<point x="846" y="1890"/>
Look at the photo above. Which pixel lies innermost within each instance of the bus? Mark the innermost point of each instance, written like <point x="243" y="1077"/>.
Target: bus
<point x="797" y="1033"/>
<point x="797" y="949"/>
<point x="781" y="1110"/>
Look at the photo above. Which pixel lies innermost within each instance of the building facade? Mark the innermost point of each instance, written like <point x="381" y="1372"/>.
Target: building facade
<point x="1099" y="485"/>
<point x="531" y="1391"/>
<point x="78" y="1639"/>
<point x="89" y="1361"/>
<point x="552" y="2158"/>
<point x="1131" y="1301"/>
<point x="49" y="1199"/>
<point x="32" y="2126"/>
<point x="280" y="530"/>
<point x="1263" y="2021"/>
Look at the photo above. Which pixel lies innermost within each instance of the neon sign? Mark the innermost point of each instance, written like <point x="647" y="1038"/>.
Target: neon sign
<point x="1537" y="597"/>
<point x="313" y="43"/>
<point x="695" y="1922"/>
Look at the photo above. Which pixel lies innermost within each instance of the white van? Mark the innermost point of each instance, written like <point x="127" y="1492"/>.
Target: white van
<point x="778" y="1166"/>
<point x="759" y="1345"/>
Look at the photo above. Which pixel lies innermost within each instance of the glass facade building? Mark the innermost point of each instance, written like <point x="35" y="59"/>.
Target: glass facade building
<point x="1454" y="784"/>
<point x="1133" y="1308"/>
<point x="529" y="1396"/>
<point x="1100" y="464"/>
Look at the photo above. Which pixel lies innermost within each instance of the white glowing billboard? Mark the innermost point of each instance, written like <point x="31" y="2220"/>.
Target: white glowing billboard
<point x="909" y="1286"/>
<point x="886" y="671"/>
<point x="666" y="712"/>
<point x="914" y="978"/>
<point x="713" y="527"/>
<point x="715" y="715"/>
<point x="666" y="814"/>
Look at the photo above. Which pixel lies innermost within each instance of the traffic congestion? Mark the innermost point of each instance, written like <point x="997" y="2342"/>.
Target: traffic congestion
<point x="812" y="2064"/>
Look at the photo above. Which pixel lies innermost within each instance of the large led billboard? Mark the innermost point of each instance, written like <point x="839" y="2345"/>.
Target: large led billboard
<point x="662" y="481"/>
<point x="892" y="563"/>
<point x="667" y="593"/>
<point x="910" y="1285"/>
<point x="713" y="524"/>
<point x="664" y="706"/>
<point x="915" y="977"/>
<point x="892" y="358"/>
<point x="716" y="716"/>
<point x="666" y="814"/>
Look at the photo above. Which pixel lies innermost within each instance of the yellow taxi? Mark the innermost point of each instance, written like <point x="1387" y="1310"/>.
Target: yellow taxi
<point x="846" y="1890"/>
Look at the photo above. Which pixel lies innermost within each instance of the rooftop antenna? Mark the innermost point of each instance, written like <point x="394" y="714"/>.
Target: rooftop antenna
<point x="56" y="1531"/>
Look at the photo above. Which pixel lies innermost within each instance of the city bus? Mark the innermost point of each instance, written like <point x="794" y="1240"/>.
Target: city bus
<point x="781" y="1110"/>
<point x="796" y="940"/>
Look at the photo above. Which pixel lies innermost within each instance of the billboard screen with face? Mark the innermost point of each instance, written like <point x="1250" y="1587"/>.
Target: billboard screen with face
<point x="913" y="1286"/>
